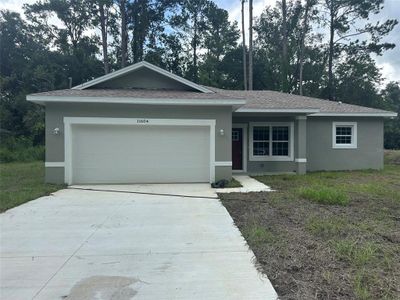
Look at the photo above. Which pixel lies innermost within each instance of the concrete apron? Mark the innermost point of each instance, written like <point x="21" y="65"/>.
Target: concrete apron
<point x="80" y="244"/>
<point x="200" y="190"/>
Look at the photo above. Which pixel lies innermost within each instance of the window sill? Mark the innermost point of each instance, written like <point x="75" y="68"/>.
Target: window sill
<point x="344" y="147"/>
<point x="271" y="158"/>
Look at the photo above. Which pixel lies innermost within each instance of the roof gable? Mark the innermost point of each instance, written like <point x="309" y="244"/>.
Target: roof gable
<point x="142" y="75"/>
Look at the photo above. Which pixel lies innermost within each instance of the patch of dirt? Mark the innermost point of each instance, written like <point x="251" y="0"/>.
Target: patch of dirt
<point x="304" y="265"/>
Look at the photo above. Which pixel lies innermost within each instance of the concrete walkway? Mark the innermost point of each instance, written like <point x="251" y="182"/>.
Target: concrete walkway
<point x="81" y="244"/>
<point x="203" y="190"/>
<point x="248" y="185"/>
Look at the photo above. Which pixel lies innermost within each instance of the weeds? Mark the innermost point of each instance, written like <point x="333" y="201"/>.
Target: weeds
<point x="326" y="227"/>
<point x="324" y="195"/>
<point x="359" y="255"/>
<point x="257" y="234"/>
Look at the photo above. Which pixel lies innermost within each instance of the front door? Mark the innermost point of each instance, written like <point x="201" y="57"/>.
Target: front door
<point x="237" y="148"/>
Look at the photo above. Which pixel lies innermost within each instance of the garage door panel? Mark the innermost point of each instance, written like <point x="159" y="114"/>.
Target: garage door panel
<point x="141" y="154"/>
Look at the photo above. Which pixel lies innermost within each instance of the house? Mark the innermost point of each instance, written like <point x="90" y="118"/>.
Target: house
<point x="142" y="124"/>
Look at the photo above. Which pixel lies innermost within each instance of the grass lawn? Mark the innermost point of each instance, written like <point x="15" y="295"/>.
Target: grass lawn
<point x="326" y="235"/>
<point x="22" y="182"/>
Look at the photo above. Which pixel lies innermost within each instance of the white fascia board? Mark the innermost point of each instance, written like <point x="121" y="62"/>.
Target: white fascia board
<point x="138" y="66"/>
<point x="279" y="110"/>
<point x="388" y="114"/>
<point x="128" y="100"/>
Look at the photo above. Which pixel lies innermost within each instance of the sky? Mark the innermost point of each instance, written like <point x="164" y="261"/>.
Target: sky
<point x="389" y="62"/>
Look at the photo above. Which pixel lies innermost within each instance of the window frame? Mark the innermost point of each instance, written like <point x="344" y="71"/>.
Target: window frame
<point x="353" y="144"/>
<point x="271" y="157"/>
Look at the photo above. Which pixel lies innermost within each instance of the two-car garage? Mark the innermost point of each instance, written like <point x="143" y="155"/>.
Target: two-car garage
<point x="107" y="150"/>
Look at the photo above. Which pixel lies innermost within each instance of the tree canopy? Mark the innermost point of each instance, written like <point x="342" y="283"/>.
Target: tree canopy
<point x="196" y="40"/>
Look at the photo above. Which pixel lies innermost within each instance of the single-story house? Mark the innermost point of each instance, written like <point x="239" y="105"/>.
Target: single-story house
<point x="142" y="124"/>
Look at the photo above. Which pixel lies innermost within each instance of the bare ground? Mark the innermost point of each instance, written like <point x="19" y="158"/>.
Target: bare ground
<point x="316" y="251"/>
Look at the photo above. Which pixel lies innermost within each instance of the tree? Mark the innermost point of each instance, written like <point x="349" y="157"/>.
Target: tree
<point x="391" y="99"/>
<point x="285" y="57"/>
<point x="250" y="44"/>
<point x="343" y="16"/>
<point x="191" y="21"/>
<point x="103" y="17"/>
<point x="304" y="31"/>
<point x="147" y="22"/>
<point x="124" y="32"/>
<point x="220" y="37"/>
<point x="269" y="46"/>
<point x="244" y="49"/>
<point x="74" y="14"/>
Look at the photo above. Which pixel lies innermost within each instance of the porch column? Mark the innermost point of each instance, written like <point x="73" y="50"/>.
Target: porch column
<point x="301" y="140"/>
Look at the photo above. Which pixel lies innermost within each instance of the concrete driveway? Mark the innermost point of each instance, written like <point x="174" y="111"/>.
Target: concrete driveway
<point x="79" y="244"/>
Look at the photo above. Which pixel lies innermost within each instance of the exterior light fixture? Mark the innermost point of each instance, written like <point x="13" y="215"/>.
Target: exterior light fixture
<point x="221" y="132"/>
<point x="56" y="131"/>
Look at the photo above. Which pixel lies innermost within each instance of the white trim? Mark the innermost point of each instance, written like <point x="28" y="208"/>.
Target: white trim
<point x="54" y="164"/>
<point x="137" y="66"/>
<point x="353" y="144"/>
<point x="278" y="110"/>
<point x="130" y="100"/>
<point x="383" y="114"/>
<point x="223" y="164"/>
<point x="270" y="157"/>
<point x="69" y="121"/>
<point x="301" y="160"/>
<point x="245" y="145"/>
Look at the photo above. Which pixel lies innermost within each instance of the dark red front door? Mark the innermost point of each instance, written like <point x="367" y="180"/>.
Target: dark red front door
<point x="237" y="148"/>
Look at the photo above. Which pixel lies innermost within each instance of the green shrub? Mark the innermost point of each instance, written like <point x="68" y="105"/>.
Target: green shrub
<point x="324" y="195"/>
<point x="20" y="149"/>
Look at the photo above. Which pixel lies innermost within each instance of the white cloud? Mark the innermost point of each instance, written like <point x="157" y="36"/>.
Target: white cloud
<point x="389" y="72"/>
<point x="15" y="5"/>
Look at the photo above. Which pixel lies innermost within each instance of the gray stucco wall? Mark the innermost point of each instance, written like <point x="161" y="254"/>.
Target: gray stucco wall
<point x="56" y="112"/>
<point x="259" y="167"/>
<point x="143" y="79"/>
<point x="317" y="148"/>
<point x="321" y="155"/>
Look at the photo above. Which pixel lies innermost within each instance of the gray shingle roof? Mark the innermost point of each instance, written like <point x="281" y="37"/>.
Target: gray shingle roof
<point x="133" y="93"/>
<point x="263" y="100"/>
<point x="277" y="100"/>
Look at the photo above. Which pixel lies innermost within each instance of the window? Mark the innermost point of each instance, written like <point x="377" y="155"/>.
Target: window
<point x="344" y="135"/>
<point x="271" y="141"/>
<point x="261" y="140"/>
<point x="280" y="140"/>
<point x="235" y="135"/>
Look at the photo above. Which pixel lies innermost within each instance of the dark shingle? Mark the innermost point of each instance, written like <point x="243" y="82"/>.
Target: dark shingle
<point x="254" y="99"/>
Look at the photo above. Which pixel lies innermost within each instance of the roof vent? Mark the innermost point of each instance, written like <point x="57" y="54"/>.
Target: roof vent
<point x="339" y="102"/>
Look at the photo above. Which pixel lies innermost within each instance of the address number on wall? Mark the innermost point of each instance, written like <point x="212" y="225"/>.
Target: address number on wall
<point x="142" y="121"/>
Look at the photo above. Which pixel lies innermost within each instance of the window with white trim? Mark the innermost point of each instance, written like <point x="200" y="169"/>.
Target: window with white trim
<point x="344" y="135"/>
<point x="271" y="141"/>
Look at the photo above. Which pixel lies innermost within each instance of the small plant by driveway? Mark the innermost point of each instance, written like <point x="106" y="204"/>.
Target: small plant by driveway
<point x="327" y="235"/>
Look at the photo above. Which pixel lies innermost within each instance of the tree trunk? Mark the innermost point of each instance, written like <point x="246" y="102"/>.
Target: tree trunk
<point x="302" y="42"/>
<point x="103" y="25"/>
<point x="285" y="71"/>
<point x="124" y="34"/>
<point x="244" y="50"/>
<point x="195" y="29"/>
<point x="250" y="45"/>
<point x="331" y="92"/>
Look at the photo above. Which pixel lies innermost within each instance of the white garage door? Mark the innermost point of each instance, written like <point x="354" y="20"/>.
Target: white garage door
<point x="140" y="154"/>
